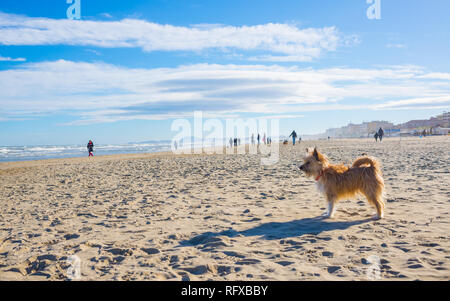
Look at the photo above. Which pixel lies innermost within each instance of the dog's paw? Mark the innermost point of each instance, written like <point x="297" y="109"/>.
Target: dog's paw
<point x="377" y="217"/>
<point x="326" y="215"/>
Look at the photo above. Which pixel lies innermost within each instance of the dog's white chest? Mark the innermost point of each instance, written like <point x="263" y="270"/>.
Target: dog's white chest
<point x="320" y="187"/>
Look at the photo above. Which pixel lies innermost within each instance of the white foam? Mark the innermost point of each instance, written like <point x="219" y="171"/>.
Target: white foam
<point x="18" y="153"/>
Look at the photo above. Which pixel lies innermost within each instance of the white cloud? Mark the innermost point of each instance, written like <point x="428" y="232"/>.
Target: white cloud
<point x="286" y="116"/>
<point x="281" y="58"/>
<point x="93" y="51"/>
<point x="9" y="59"/>
<point x="106" y="15"/>
<point x="280" y="42"/>
<point x="97" y="92"/>
<point x="416" y="103"/>
<point x="395" y="45"/>
<point x="437" y="75"/>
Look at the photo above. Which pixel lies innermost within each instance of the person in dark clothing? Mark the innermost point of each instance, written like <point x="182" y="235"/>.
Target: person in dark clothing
<point x="258" y="138"/>
<point x="90" y="147"/>
<point x="380" y="134"/>
<point x="376" y="136"/>
<point x="294" y="136"/>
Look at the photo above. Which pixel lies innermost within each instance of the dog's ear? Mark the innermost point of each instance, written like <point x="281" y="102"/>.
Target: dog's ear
<point x="317" y="155"/>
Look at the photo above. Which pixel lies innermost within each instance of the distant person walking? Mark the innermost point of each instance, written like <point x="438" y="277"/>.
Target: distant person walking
<point x="90" y="147"/>
<point x="376" y="136"/>
<point x="231" y="142"/>
<point x="380" y="134"/>
<point x="294" y="136"/>
<point x="258" y="138"/>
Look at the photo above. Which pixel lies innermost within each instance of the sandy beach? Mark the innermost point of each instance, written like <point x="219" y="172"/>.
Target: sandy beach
<point x="225" y="217"/>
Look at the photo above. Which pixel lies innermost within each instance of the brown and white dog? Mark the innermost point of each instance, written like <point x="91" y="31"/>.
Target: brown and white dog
<point x="339" y="181"/>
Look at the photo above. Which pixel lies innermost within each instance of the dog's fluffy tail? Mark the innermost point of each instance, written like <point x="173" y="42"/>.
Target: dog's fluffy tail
<point x="367" y="161"/>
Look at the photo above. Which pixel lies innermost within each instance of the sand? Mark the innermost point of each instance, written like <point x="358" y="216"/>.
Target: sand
<point x="225" y="217"/>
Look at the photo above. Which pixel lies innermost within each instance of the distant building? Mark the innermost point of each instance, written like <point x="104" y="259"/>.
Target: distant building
<point x="441" y="131"/>
<point x="434" y="126"/>
<point x="442" y="120"/>
<point x="363" y="130"/>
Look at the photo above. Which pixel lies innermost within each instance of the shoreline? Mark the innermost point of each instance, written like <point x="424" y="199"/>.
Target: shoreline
<point x="30" y="163"/>
<point x="143" y="155"/>
<point x="33" y="163"/>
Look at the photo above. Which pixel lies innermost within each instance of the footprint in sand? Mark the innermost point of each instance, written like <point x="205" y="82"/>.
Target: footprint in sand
<point x="233" y="254"/>
<point x="71" y="236"/>
<point x="248" y="261"/>
<point x="119" y="251"/>
<point x="284" y="263"/>
<point x="150" y="251"/>
<point x="198" y="270"/>
<point x="333" y="269"/>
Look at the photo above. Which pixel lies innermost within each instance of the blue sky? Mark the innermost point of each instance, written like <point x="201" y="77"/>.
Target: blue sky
<point x="127" y="69"/>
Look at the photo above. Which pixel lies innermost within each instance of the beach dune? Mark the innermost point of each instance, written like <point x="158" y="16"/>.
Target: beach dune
<point x="225" y="217"/>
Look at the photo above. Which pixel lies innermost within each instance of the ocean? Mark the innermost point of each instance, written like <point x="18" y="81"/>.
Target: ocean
<point x="39" y="152"/>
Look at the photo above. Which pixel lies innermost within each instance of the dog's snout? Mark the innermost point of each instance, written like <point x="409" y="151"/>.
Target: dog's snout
<point x="302" y="167"/>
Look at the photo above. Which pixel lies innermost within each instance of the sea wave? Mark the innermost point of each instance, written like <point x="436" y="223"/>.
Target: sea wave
<point x="36" y="152"/>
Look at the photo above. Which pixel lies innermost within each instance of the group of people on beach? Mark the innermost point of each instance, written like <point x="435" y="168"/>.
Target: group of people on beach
<point x="235" y="142"/>
<point x="265" y="140"/>
<point x="379" y="135"/>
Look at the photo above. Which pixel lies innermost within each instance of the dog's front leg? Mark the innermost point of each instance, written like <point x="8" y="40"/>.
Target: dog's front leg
<point x="331" y="202"/>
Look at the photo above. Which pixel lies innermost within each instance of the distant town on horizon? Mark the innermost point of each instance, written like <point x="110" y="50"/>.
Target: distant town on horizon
<point x="437" y="125"/>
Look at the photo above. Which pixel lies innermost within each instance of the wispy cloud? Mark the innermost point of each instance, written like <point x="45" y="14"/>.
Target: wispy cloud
<point x="97" y="92"/>
<point x="9" y="59"/>
<point x="277" y="42"/>
<point x="395" y="45"/>
<point x="106" y="15"/>
<point x="417" y="103"/>
<point x="93" y="51"/>
<point x="284" y="116"/>
<point x="437" y="75"/>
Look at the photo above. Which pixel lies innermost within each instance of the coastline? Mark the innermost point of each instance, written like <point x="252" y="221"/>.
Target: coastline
<point x="205" y="151"/>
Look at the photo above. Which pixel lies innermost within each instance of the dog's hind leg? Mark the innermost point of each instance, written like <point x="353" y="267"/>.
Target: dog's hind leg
<point x="380" y="208"/>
